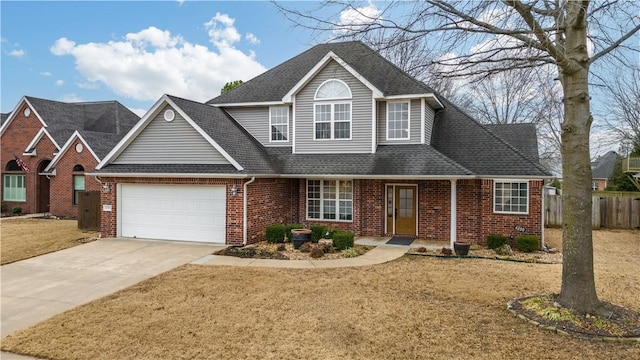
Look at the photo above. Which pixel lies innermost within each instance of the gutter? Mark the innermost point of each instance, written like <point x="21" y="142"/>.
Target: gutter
<point x="244" y="210"/>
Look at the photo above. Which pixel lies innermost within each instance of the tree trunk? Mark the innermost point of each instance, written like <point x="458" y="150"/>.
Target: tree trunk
<point x="578" y="290"/>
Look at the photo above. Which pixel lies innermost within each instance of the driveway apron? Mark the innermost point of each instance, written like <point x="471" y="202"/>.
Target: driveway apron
<point x="36" y="289"/>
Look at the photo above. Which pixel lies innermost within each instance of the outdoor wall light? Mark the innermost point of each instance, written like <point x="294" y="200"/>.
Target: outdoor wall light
<point x="234" y="190"/>
<point x="106" y="188"/>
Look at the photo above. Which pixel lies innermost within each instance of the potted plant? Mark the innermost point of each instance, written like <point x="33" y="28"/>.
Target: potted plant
<point x="300" y="236"/>
<point x="461" y="247"/>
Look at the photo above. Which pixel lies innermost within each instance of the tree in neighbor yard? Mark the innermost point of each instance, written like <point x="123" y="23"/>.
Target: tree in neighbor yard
<point x="488" y="37"/>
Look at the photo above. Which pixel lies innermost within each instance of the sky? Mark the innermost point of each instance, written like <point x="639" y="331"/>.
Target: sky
<point x="134" y="52"/>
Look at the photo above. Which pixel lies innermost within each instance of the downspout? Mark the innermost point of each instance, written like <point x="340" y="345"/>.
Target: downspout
<point x="244" y="212"/>
<point x="542" y="217"/>
<point x="454" y="213"/>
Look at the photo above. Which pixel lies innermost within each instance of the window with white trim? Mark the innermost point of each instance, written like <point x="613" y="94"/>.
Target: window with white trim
<point x="398" y="120"/>
<point x="511" y="197"/>
<point x="331" y="115"/>
<point x="14" y="188"/>
<point x="279" y="123"/>
<point x="330" y="200"/>
<point x="78" y="187"/>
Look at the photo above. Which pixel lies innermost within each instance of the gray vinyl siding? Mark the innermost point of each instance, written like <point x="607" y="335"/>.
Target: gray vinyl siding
<point x="256" y="121"/>
<point x="415" y="126"/>
<point x="361" y="115"/>
<point x="174" y="142"/>
<point x="429" y="115"/>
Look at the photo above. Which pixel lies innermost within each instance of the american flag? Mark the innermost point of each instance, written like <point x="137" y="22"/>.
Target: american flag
<point x="22" y="165"/>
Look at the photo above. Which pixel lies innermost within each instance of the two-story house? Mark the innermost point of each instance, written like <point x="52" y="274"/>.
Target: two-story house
<point x="57" y="143"/>
<point x="336" y="136"/>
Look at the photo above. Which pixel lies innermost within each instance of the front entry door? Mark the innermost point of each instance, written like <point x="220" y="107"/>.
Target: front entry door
<point x="401" y="209"/>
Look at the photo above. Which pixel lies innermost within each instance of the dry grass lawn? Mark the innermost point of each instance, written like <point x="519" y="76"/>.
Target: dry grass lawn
<point x="25" y="238"/>
<point x="412" y="308"/>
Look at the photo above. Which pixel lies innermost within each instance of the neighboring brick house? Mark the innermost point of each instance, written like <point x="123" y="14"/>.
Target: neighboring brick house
<point x="336" y="136"/>
<point x="58" y="142"/>
<point x="601" y="170"/>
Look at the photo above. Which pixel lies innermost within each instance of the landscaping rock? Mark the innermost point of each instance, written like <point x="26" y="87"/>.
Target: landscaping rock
<point x="504" y="250"/>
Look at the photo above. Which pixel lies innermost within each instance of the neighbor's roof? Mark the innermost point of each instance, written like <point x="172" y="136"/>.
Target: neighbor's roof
<point x="62" y="119"/>
<point x="273" y="84"/>
<point x="3" y="117"/>
<point x="603" y="166"/>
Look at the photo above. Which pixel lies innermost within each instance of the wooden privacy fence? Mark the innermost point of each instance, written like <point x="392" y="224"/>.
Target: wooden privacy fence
<point x="89" y="210"/>
<point x="614" y="212"/>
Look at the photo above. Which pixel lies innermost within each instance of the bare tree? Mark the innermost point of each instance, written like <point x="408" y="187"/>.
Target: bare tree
<point x="622" y="118"/>
<point x="488" y="37"/>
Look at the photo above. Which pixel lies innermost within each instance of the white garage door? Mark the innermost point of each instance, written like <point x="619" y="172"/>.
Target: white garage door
<point x="173" y="212"/>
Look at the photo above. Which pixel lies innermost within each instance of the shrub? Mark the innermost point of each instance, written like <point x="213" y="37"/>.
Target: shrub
<point x="16" y="210"/>
<point x="494" y="241"/>
<point x="343" y="240"/>
<point x="353" y="251"/>
<point x="330" y="233"/>
<point x="528" y="243"/>
<point x="316" y="252"/>
<point x="317" y="232"/>
<point x="289" y="227"/>
<point x="275" y="234"/>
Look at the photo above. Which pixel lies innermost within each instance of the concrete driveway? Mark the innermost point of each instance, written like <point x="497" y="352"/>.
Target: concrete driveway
<point x="35" y="289"/>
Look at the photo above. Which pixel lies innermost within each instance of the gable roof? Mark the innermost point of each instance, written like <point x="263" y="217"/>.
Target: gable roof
<point x="603" y="166"/>
<point x="226" y="135"/>
<point x="109" y="120"/>
<point x="274" y="84"/>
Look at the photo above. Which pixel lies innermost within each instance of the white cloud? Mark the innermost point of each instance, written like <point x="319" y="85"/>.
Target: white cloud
<point x="17" y="53"/>
<point x="59" y="82"/>
<point x="138" y="111"/>
<point x="180" y="2"/>
<point x="221" y="31"/>
<point x="252" y="38"/>
<point x="71" y="98"/>
<point x="152" y="62"/>
<point x="62" y="46"/>
<point x="353" y="19"/>
<point x="46" y="73"/>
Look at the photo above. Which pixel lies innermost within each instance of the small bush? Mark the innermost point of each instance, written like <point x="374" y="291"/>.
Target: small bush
<point x="353" y="251"/>
<point x="317" y="232"/>
<point x="343" y="240"/>
<point x="16" y="210"/>
<point x="528" y="243"/>
<point x="305" y="247"/>
<point x="330" y="233"/>
<point x="275" y="234"/>
<point x="289" y="227"/>
<point x="494" y="241"/>
<point x="316" y="252"/>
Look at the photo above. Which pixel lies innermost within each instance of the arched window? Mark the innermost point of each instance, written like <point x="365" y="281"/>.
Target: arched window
<point x="332" y="111"/>
<point x="333" y="89"/>
<point x="12" y="166"/>
<point x="78" y="183"/>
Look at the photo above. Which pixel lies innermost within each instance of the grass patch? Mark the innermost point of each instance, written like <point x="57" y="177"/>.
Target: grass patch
<point x="411" y="308"/>
<point x="25" y="238"/>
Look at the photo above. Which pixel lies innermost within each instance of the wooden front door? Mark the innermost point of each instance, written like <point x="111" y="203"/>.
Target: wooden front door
<point x="401" y="209"/>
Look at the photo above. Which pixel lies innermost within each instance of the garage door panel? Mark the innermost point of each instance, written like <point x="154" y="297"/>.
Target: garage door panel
<point x="173" y="212"/>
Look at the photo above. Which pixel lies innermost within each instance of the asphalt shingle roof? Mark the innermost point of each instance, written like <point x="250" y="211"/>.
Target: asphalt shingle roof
<point x="603" y="166"/>
<point x="460" y="145"/>
<point x="62" y="119"/>
<point x="273" y="84"/>
<point x="3" y="117"/>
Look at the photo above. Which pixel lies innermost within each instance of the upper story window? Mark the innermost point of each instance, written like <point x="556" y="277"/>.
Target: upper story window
<point x="279" y="123"/>
<point x="511" y="197"/>
<point x="332" y="111"/>
<point x="398" y="120"/>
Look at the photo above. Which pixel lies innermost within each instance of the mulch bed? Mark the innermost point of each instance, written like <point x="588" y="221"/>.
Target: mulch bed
<point x="610" y="320"/>
<point x="285" y="251"/>
<point x="538" y="257"/>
